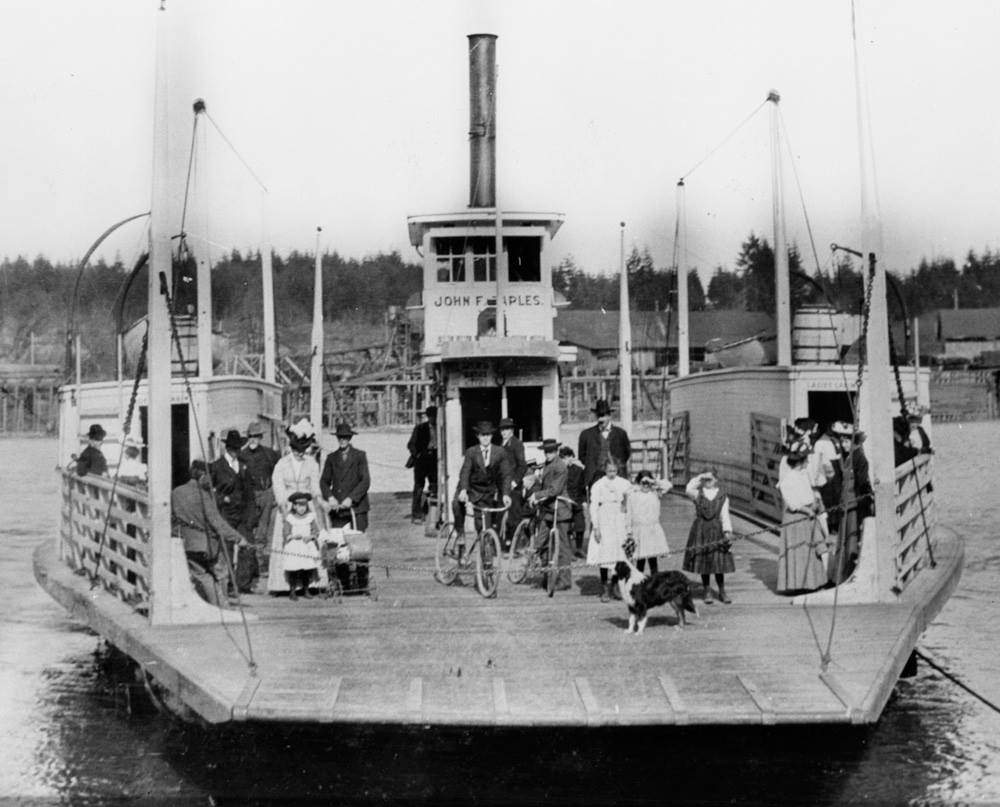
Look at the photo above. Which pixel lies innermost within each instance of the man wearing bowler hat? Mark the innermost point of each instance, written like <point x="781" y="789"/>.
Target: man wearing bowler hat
<point x="423" y="460"/>
<point x="345" y="481"/>
<point x="551" y="485"/>
<point x="600" y="442"/>
<point x="235" y="501"/>
<point x="514" y="449"/>
<point x="260" y="461"/>
<point x="484" y="480"/>
<point x="92" y="459"/>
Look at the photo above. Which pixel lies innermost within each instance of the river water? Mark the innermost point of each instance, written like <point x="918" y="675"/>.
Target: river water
<point x="75" y="729"/>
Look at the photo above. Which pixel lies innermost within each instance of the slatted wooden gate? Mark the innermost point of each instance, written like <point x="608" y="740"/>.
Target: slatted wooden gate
<point x="914" y="517"/>
<point x="766" y="438"/>
<point x="678" y="449"/>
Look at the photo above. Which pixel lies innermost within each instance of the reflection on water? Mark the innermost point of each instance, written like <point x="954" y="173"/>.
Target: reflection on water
<point x="78" y="728"/>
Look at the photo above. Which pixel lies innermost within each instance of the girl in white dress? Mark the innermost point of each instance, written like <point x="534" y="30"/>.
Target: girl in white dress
<point x="301" y="544"/>
<point x="644" y="513"/>
<point x="609" y="524"/>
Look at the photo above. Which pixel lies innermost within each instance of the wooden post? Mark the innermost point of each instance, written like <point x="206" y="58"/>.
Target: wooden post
<point x="624" y="339"/>
<point x="683" y="348"/>
<point x="204" y="282"/>
<point x="316" y="367"/>
<point x="267" y="287"/>
<point x="782" y="294"/>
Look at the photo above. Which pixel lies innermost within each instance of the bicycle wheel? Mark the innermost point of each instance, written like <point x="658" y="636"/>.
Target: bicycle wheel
<point x="488" y="559"/>
<point x="446" y="555"/>
<point x="553" y="573"/>
<point x="519" y="557"/>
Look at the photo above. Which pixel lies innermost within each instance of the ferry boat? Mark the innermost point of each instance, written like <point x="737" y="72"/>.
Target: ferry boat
<point x="427" y="654"/>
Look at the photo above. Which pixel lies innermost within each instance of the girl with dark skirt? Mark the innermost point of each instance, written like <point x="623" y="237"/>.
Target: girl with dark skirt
<point x="708" y="545"/>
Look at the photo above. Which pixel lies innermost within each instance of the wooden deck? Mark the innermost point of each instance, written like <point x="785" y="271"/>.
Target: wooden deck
<point x="423" y="653"/>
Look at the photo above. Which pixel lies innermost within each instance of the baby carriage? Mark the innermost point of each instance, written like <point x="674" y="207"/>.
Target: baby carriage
<point x="345" y="554"/>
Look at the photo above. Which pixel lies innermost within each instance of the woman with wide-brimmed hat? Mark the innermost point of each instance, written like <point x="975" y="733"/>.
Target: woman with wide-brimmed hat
<point x="804" y="552"/>
<point x="297" y="471"/>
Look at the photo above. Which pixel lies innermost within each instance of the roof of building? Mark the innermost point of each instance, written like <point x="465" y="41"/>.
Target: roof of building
<point x="967" y="323"/>
<point x="598" y="330"/>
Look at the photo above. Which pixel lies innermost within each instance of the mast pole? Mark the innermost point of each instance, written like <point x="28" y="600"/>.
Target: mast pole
<point x="782" y="294"/>
<point x="316" y="368"/>
<point x="267" y="289"/>
<point x="683" y="346"/>
<point x="875" y="404"/>
<point x="501" y="270"/>
<point x="160" y="441"/>
<point x="204" y="279"/>
<point x="624" y="339"/>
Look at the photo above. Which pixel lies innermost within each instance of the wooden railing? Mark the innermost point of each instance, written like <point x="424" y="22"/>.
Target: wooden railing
<point x="914" y="517"/>
<point x="106" y="535"/>
<point x="767" y="434"/>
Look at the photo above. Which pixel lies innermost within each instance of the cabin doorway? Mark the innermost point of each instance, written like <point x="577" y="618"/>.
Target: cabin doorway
<point x="480" y="403"/>
<point x="524" y="406"/>
<point x="180" y="454"/>
<point x="826" y="407"/>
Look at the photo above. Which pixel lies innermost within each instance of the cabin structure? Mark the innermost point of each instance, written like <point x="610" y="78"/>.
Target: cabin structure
<point x="488" y="304"/>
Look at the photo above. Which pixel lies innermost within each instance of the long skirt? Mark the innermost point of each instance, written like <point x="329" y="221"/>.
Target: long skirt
<point x="802" y="542"/>
<point x="650" y="540"/>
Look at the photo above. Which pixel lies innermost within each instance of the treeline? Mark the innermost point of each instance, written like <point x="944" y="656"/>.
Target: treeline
<point x="37" y="297"/>
<point x="749" y="285"/>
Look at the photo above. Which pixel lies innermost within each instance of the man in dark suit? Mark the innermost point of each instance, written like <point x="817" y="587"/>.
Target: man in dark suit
<point x="344" y="484"/>
<point x="552" y="483"/>
<point x="260" y="461"/>
<point x="91" y="459"/>
<point x="602" y="442"/>
<point x="423" y="459"/>
<point x="484" y="479"/>
<point x="235" y="500"/>
<point x="514" y="449"/>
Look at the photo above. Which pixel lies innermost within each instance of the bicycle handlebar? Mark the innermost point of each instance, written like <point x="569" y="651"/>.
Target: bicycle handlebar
<point x="487" y="509"/>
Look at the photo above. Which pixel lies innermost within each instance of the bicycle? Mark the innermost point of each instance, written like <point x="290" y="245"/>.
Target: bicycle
<point x="524" y="559"/>
<point x="453" y="555"/>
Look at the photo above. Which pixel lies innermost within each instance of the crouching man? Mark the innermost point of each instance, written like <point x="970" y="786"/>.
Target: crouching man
<point x="201" y="526"/>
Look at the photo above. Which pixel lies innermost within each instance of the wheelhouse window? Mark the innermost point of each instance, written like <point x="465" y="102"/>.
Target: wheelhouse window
<point x="450" y="257"/>
<point x="524" y="259"/>
<point x="484" y="259"/>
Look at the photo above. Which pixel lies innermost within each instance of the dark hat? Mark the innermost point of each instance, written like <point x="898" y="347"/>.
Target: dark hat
<point x="601" y="408"/>
<point x="254" y="429"/>
<point x="507" y="423"/>
<point x="300" y="496"/>
<point x="484" y="427"/>
<point x="566" y="451"/>
<point x="233" y="439"/>
<point x="96" y="432"/>
<point x="198" y="468"/>
<point x="344" y="430"/>
<point x="300" y="435"/>
<point x="431" y="410"/>
<point x="548" y="444"/>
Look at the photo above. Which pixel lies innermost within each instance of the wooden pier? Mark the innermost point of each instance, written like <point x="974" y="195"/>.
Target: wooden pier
<point x="423" y="653"/>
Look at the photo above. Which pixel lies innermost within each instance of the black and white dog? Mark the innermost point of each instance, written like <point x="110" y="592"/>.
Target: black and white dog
<point x="641" y="592"/>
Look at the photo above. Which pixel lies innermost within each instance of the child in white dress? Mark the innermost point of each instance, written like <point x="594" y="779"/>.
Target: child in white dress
<point x="301" y="544"/>
<point x="644" y="512"/>
<point x="609" y="524"/>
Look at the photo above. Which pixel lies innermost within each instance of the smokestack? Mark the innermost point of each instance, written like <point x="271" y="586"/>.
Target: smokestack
<point x="482" y="120"/>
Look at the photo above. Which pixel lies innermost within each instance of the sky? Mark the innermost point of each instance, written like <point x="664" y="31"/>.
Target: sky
<point x="355" y="115"/>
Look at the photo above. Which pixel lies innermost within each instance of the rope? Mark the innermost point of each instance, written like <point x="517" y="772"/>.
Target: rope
<point x="248" y="655"/>
<point x="126" y="429"/>
<point x="239" y="156"/>
<point x="798" y="184"/>
<point x="725" y="140"/>
<point x="956" y="680"/>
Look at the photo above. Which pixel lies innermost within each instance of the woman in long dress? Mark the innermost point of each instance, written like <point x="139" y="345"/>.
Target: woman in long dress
<point x="804" y="550"/>
<point x="294" y="472"/>
<point x="644" y="513"/>
<point x="609" y="524"/>
<point x="708" y="546"/>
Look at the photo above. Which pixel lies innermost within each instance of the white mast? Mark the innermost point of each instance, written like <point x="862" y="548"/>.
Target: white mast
<point x="267" y="287"/>
<point x="683" y="347"/>
<point x="624" y="341"/>
<point x="316" y="368"/>
<point x="159" y="464"/>
<point x="875" y="399"/>
<point x="204" y="284"/>
<point x="782" y="295"/>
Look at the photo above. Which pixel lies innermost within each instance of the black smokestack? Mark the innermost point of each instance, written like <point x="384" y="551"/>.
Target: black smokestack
<point x="482" y="120"/>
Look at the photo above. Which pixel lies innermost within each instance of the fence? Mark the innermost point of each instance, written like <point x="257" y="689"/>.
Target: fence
<point x="914" y="517"/>
<point x="120" y="561"/>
